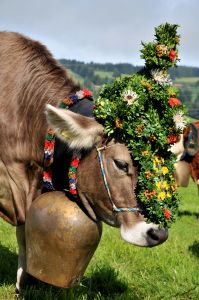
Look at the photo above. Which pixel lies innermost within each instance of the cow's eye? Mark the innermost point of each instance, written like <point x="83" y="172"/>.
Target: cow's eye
<point x="122" y="165"/>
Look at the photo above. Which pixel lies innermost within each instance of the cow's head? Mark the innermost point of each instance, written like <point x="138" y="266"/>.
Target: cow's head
<point x="86" y="133"/>
<point x="186" y="151"/>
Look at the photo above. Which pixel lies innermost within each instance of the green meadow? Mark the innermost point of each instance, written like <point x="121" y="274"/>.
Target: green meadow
<point x="122" y="271"/>
<point x="187" y="79"/>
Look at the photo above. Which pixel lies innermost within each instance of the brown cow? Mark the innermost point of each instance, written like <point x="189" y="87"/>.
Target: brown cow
<point x="187" y="153"/>
<point x="30" y="78"/>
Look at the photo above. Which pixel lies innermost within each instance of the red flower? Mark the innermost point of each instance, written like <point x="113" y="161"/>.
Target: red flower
<point x="172" y="139"/>
<point x="47" y="175"/>
<point x="167" y="213"/>
<point x="75" y="162"/>
<point x="49" y="145"/>
<point x="172" y="55"/>
<point x="73" y="191"/>
<point x="87" y="93"/>
<point x="174" y="102"/>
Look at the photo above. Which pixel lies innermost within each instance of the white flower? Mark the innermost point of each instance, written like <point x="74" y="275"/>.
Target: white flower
<point x="129" y="96"/>
<point x="160" y="77"/>
<point x="179" y="121"/>
<point x="80" y="94"/>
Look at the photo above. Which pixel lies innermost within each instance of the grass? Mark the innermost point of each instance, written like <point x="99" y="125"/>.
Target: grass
<point x="186" y="79"/>
<point x="104" y="74"/>
<point x="121" y="271"/>
<point x="76" y="77"/>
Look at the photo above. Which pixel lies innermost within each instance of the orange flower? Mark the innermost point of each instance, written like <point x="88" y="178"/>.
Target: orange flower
<point x="140" y="128"/>
<point x="145" y="153"/>
<point x="174" y="102"/>
<point x="149" y="194"/>
<point x="148" y="174"/>
<point x="67" y="101"/>
<point x="173" y="188"/>
<point x="118" y="123"/>
<point x="152" y="138"/>
<point x="72" y="175"/>
<point x="50" y="131"/>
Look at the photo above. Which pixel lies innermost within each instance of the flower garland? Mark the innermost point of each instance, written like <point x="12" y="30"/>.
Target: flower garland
<point x="50" y="143"/>
<point x="144" y="112"/>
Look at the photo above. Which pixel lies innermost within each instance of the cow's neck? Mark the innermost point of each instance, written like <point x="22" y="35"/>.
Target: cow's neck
<point x="58" y="160"/>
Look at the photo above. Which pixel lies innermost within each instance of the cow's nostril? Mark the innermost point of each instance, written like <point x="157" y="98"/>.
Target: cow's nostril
<point x="157" y="236"/>
<point x="153" y="234"/>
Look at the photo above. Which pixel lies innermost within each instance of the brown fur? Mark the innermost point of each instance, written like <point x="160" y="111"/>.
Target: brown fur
<point x="29" y="78"/>
<point x="194" y="163"/>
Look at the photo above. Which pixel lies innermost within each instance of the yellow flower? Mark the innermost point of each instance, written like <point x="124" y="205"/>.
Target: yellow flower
<point x="168" y="195"/>
<point x="147" y="85"/>
<point x="161" y="50"/>
<point x="165" y="185"/>
<point x="161" y="196"/>
<point x="165" y="170"/>
<point x="177" y="39"/>
<point x="155" y="169"/>
<point x="172" y="92"/>
<point x="158" y="159"/>
<point x="158" y="184"/>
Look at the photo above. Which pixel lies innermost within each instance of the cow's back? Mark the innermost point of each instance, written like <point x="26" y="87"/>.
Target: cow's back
<point x="29" y="78"/>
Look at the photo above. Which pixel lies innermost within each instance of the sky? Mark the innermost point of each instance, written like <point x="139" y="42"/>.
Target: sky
<point x="103" y="31"/>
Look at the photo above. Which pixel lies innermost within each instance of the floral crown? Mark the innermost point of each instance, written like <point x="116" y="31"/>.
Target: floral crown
<point x="143" y="111"/>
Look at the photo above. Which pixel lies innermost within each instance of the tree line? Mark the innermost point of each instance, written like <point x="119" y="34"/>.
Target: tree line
<point x="94" y="75"/>
<point x="88" y="70"/>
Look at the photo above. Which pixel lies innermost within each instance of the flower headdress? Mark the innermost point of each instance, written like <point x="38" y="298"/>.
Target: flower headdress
<point x="143" y="111"/>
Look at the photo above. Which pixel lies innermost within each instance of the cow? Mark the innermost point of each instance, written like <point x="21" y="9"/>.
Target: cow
<point x="186" y="151"/>
<point x="32" y="86"/>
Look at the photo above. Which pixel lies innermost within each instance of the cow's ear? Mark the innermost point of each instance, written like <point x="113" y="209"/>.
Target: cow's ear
<point x="77" y="130"/>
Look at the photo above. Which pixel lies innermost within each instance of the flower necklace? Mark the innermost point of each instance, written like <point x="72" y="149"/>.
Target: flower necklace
<point x="50" y="144"/>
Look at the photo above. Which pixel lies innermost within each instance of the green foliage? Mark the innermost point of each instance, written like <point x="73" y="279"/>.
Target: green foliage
<point x="163" y="52"/>
<point x="143" y="112"/>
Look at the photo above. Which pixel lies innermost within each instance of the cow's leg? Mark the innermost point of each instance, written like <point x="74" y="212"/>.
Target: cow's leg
<point x="21" y="271"/>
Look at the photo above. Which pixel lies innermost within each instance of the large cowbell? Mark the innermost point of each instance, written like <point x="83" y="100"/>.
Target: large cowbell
<point x="60" y="240"/>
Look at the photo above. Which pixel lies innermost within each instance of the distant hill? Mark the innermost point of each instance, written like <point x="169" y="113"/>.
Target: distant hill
<point x="94" y="75"/>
